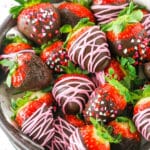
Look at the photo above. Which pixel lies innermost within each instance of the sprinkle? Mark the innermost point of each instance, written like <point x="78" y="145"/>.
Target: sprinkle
<point x="135" y="47"/>
<point x="102" y="102"/>
<point x="125" y="51"/>
<point x="132" y="41"/>
<point x="138" y="40"/>
<point x="119" y="47"/>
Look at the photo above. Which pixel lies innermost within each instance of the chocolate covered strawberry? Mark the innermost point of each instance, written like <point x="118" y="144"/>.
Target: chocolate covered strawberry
<point x="24" y="69"/>
<point x="130" y="136"/>
<point x="72" y="90"/>
<point x="55" y="56"/>
<point x="15" y="44"/>
<point x="24" y="107"/>
<point x="141" y="114"/>
<point x="86" y="46"/>
<point x="107" y="101"/>
<point x="40" y="125"/>
<point x="37" y="20"/>
<point x="126" y="35"/>
<point x="71" y="13"/>
<point x="106" y="11"/>
<point x="92" y="137"/>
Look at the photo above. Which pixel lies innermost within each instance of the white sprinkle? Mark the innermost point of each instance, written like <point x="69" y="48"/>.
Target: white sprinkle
<point x="142" y="45"/>
<point x="112" y="111"/>
<point x="112" y="116"/>
<point x="102" y="102"/>
<point x="125" y="51"/>
<point x="138" y="40"/>
<point x="100" y="113"/>
<point x="135" y="47"/>
<point x="132" y="41"/>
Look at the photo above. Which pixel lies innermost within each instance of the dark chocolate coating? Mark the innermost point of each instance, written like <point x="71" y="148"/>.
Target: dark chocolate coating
<point x="67" y="17"/>
<point x="126" y="144"/>
<point x="38" y="75"/>
<point x="40" y="26"/>
<point x="147" y="69"/>
<point x="126" y="44"/>
<point x="106" y="112"/>
<point x="146" y="146"/>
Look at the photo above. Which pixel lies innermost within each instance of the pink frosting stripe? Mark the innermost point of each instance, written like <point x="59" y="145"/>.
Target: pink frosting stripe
<point x="107" y="13"/>
<point x="70" y="93"/>
<point x="100" y="76"/>
<point x="146" y="23"/>
<point x="38" y="125"/>
<point x="95" y="51"/>
<point x="63" y="130"/>
<point x="142" y="122"/>
<point x="76" y="142"/>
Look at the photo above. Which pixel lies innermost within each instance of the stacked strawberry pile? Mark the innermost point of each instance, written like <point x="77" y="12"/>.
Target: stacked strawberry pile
<point x="83" y="69"/>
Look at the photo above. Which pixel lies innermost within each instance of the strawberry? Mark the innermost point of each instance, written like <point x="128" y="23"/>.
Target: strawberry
<point x="106" y="11"/>
<point x="74" y="120"/>
<point x="92" y="137"/>
<point x="55" y="56"/>
<point x="113" y="2"/>
<point x="41" y="122"/>
<point x="16" y="44"/>
<point x="24" y="107"/>
<point x="130" y="136"/>
<point x="86" y="46"/>
<point x="72" y="90"/>
<point x="115" y="69"/>
<point x="24" y="69"/>
<point x="107" y="101"/>
<point x="141" y="112"/>
<point x="31" y="14"/>
<point x="71" y="13"/>
<point x="127" y="36"/>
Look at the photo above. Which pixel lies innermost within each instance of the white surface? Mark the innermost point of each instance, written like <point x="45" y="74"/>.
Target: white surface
<point x="4" y="12"/>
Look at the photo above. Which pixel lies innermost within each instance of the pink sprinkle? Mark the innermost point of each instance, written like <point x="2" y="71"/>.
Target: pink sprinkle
<point x="119" y="47"/>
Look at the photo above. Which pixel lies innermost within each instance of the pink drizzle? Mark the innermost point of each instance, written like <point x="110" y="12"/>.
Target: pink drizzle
<point x="76" y="142"/>
<point x="63" y="130"/>
<point x="40" y="125"/>
<point x="95" y="50"/>
<point x="100" y="76"/>
<point x="146" y="23"/>
<point x="14" y="55"/>
<point x="107" y="13"/>
<point x="69" y="88"/>
<point x="142" y="122"/>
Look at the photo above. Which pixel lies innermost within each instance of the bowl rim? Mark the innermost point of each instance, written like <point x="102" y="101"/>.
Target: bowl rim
<point x="19" y="140"/>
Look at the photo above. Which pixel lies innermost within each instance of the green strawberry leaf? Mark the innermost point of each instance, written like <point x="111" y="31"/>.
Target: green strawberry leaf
<point x="130" y="123"/>
<point x="104" y="133"/>
<point x="22" y="2"/>
<point x="16" y="10"/>
<point x="66" y="28"/>
<point x="12" y="66"/>
<point x="121" y="88"/>
<point x="127" y="16"/>
<point x="82" y="23"/>
<point x="20" y="102"/>
<point x="146" y="91"/>
<point x="135" y="16"/>
<point x="128" y="10"/>
<point x="71" y="68"/>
